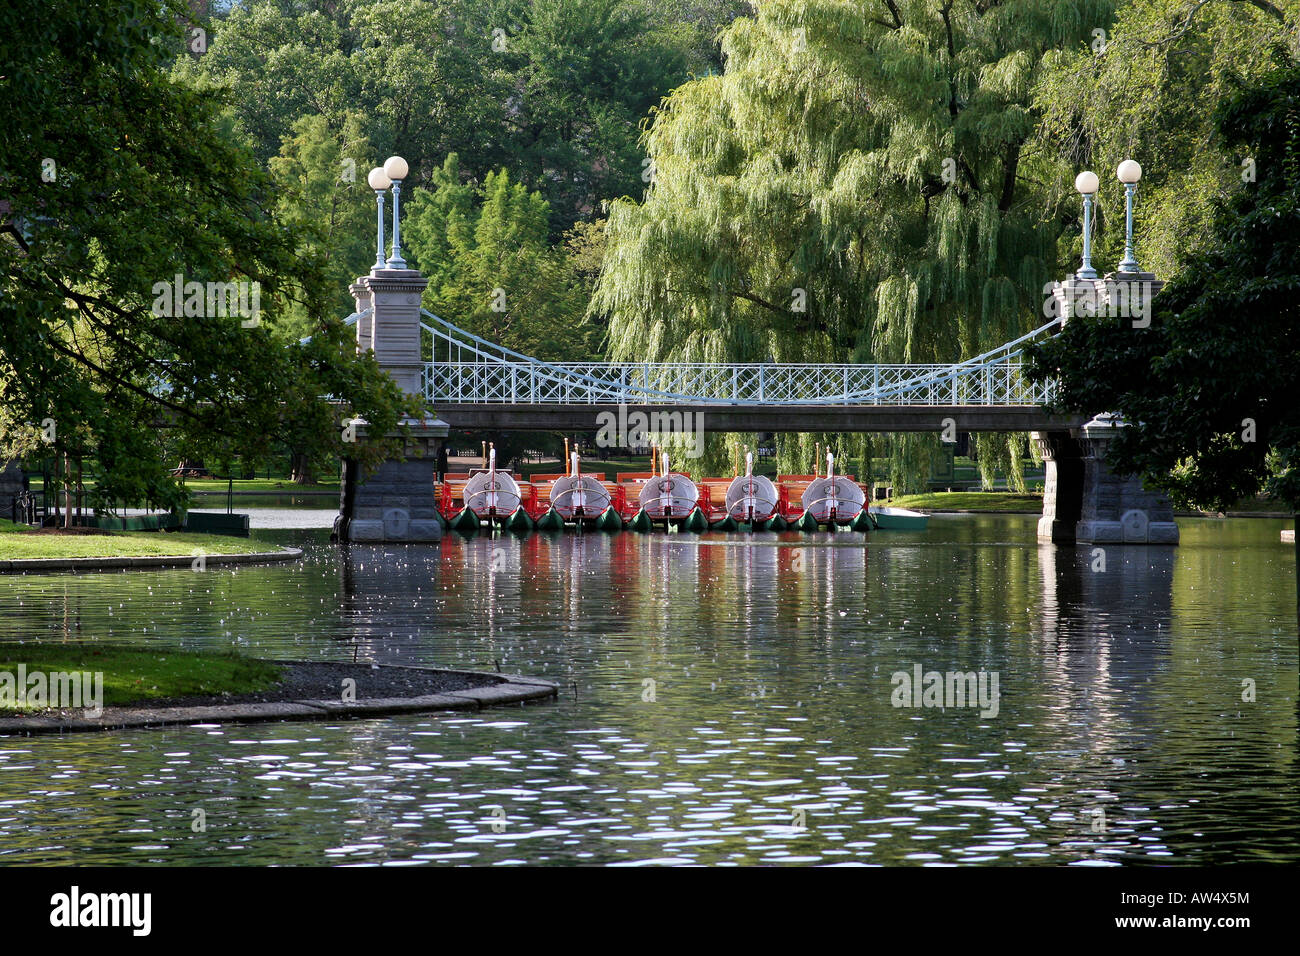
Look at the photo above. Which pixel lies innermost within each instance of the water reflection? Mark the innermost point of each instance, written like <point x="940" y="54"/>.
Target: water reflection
<point x="1106" y="631"/>
<point x="769" y="736"/>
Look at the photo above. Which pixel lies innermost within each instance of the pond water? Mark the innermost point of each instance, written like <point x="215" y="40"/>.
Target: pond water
<point x="725" y="700"/>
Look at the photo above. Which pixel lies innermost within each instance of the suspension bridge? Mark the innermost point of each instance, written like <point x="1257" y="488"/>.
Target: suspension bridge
<point x="474" y="384"/>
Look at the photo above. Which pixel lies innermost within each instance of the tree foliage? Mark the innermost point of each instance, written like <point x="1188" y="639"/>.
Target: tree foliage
<point x="491" y="269"/>
<point x="121" y="177"/>
<point x="324" y="197"/>
<point x="858" y="185"/>
<point x="553" y="90"/>
<point x="420" y="73"/>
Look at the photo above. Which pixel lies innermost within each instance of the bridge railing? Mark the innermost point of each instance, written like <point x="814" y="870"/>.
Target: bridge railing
<point x="773" y="384"/>
<point x="469" y="369"/>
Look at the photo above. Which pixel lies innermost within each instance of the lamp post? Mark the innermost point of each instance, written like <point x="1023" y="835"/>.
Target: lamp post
<point x="395" y="168"/>
<point x="1129" y="172"/>
<point x="1086" y="183"/>
<point x="379" y="181"/>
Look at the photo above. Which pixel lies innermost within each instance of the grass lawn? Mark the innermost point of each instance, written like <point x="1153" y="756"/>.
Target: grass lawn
<point x="971" y="501"/>
<point x="132" y="675"/>
<point x="18" y="542"/>
<point x="282" y="485"/>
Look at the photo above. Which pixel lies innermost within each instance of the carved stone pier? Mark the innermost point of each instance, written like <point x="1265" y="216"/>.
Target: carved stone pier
<point x="396" y="501"/>
<point x="1085" y="502"/>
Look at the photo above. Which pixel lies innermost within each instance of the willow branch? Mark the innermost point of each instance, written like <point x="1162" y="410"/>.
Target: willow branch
<point x="1263" y="6"/>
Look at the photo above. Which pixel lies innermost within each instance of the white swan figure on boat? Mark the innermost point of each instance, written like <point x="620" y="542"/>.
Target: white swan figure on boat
<point x="750" y="497"/>
<point x="576" y="495"/>
<point x="833" y="498"/>
<point x="669" y="495"/>
<point x="492" y="493"/>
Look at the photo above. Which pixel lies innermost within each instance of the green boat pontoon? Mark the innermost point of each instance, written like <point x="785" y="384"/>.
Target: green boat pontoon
<point x="696" y="522"/>
<point x="466" y="522"/>
<point x="610" y="520"/>
<point x="519" y="521"/>
<point x="863" y="522"/>
<point x="550" y="521"/>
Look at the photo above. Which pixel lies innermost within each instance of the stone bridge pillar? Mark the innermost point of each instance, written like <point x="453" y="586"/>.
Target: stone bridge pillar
<point x="1085" y="502"/>
<point x="394" y="296"/>
<point x="395" y="502"/>
<point x="365" y="323"/>
<point x="1063" y="487"/>
<point x="1117" y="509"/>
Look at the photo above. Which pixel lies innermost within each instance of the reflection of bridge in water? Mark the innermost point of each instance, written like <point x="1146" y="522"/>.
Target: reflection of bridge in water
<point x="1128" y="594"/>
<point x="516" y="588"/>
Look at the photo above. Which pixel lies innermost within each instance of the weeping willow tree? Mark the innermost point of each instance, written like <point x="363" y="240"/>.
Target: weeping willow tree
<point x="858" y="185"/>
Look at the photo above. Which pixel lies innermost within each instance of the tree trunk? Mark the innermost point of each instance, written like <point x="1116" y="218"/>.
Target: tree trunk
<point x="67" y="491"/>
<point x="301" y="469"/>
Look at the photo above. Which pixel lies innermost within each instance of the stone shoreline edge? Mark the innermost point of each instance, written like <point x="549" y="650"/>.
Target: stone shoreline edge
<point x="24" y="565"/>
<point x="510" y="689"/>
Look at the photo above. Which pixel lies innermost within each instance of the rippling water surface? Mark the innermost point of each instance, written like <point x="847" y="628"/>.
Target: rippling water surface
<point x="725" y="700"/>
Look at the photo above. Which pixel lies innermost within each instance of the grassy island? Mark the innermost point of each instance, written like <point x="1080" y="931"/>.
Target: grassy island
<point x="134" y="675"/>
<point x="971" y="501"/>
<point x="21" y="542"/>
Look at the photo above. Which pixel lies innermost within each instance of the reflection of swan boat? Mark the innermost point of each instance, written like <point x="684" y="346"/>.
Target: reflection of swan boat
<point x="834" y="499"/>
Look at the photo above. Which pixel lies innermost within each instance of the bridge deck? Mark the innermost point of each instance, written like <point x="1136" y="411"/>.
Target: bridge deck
<point x="756" y="418"/>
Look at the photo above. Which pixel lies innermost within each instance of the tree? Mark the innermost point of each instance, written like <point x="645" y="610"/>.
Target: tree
<point x="324" y="198"/>
<point x="422" y="73"/>
<point x="858" y="185"/>
<point x="1146" y="89"/>
<point x="1208" y="390"/>
<point x="552" y="90"/>
<point x="589" y="71"/>
<point x="119" y="180"/>
<point x="491" y="268"/>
